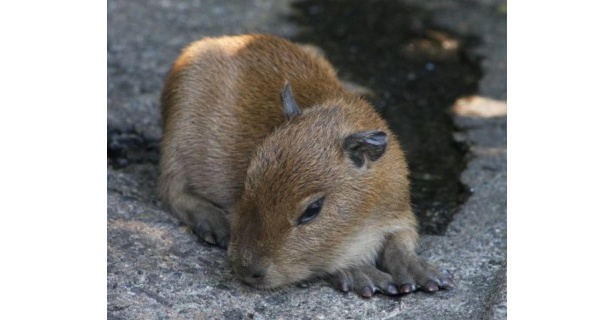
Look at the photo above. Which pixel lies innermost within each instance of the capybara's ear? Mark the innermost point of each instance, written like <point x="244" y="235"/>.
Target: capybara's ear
<point x="365" y="147"/>
<point x="291" y="108"/>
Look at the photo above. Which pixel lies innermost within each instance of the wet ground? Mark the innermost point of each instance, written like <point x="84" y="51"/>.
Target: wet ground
<point x="416" y="71"/>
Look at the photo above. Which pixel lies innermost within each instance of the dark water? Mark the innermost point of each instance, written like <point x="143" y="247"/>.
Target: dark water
<point x="416" y="71"/>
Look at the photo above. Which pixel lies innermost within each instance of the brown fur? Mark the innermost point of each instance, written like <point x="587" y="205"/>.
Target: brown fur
<point x="229" y="156"/>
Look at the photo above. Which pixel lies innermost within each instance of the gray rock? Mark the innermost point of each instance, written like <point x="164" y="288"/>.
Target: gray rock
<point x="157" y="269"/>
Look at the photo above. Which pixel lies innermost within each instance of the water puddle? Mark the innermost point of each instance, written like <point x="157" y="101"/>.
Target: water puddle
<point x="416" y="71"/>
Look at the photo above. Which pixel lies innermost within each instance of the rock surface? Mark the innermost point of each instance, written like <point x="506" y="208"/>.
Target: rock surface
<point x="157" y="269"/>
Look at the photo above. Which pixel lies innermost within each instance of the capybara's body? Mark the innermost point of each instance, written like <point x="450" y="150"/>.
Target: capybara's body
<point x="266" y="152"/>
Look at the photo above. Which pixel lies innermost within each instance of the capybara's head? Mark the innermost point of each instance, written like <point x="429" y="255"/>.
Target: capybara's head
<point x="313" y="196"/>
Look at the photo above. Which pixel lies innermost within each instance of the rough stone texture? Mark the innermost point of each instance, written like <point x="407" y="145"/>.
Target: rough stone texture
<point x="157" y="269"/>
<point x="145" y="37"/>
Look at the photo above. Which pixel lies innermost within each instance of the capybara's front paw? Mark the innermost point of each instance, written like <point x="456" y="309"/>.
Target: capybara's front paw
<point x="411" y="273"/>
<point x="365" y="280"/>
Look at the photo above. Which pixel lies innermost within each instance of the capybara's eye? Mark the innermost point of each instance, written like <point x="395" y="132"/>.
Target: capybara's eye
<point x="311" y="211"/>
